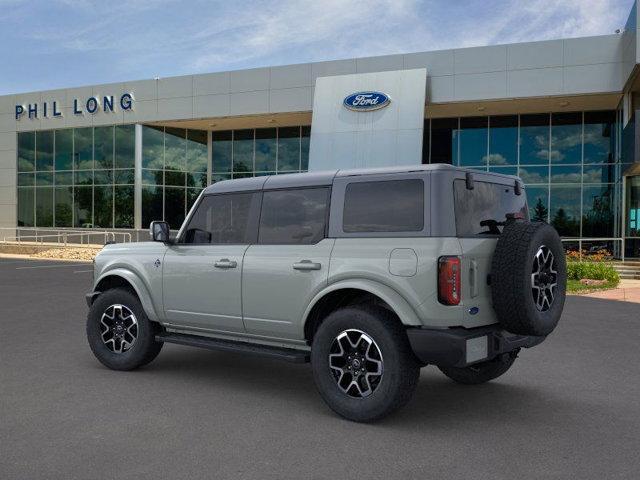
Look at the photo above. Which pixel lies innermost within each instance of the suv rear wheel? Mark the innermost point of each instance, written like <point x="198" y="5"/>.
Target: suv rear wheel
<point x="362" y="363"/>
<point x="119" y="333"/>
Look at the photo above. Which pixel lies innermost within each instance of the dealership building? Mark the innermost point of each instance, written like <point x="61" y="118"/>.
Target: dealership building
<point x="558" y="113"/>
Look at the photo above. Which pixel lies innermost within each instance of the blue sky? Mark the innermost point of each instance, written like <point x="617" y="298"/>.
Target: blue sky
<point x="47" y="44"/>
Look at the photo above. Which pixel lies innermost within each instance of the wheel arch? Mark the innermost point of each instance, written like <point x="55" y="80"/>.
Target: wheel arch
<point x="122" y="278"/>
<point x="349" y="292"/>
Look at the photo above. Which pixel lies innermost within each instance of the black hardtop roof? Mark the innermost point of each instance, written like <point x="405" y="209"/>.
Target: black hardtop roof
<point x="322" y="178"/>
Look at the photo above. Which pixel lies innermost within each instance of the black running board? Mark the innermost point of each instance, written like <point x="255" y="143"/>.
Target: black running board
<point x="287" y="354"/>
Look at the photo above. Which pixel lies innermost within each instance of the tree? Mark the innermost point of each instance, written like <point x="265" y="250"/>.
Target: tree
<point x="540" y="212"/>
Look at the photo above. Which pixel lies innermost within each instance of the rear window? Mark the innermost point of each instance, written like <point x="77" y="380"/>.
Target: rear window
<point x="384" y="206"/>
<point x="479" y="211"/>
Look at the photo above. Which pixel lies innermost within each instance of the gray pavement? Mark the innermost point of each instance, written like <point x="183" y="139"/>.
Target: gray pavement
<point x="569" y="408"/>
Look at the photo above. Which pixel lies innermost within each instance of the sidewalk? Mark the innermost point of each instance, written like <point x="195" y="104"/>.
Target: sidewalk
<point x="627" y="291"/>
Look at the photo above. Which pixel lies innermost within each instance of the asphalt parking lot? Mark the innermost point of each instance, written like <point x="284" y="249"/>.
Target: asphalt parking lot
<point x="569" y="408"/>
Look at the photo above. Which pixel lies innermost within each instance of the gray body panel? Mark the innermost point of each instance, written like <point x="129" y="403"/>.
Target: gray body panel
<point x="264" y="299"/>
<point x="275" y="294"/>
<point x="199" y="295"/>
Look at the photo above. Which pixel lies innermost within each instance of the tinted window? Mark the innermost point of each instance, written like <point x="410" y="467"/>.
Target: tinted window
<point x="487" y="203"/>
<point x="387" y="206"/>
<point x="221" y="219"/>
<point x="294" y="216"/>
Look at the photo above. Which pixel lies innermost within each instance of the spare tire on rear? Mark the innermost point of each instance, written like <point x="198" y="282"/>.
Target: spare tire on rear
<point x="528" y="278"/>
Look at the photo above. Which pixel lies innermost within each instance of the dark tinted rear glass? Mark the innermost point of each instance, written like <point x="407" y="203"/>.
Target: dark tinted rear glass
<point x="487" y="203"/>
<point x="224" y="219"/>
<point x="386" y="206"/>
<point x="296" y="216"/>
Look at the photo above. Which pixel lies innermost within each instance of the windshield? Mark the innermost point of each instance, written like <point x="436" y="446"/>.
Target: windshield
<point x="483" y="210"/>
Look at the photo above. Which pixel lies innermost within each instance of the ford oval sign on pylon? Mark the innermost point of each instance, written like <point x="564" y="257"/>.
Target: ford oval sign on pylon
<point x="366" y="101"/>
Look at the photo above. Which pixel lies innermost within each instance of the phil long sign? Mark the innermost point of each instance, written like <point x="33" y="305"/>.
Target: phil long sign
<point x="91" y="105"/>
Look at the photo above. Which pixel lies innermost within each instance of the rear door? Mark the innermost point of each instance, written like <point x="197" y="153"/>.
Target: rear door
<point x="202" y="272"/>
<point x="478" y="212"/>
<point x="289" y="264"/>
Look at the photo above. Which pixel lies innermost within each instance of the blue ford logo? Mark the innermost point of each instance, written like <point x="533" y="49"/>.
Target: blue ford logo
<point x="366" y="101"/>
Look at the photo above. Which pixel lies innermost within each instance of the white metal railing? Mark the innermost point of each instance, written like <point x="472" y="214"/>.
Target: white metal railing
<point x="63" y="237"/>
<point x="581" y="241"/>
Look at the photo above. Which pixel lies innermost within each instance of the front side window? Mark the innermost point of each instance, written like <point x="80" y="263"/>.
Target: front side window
<point x="296" y="216"/>
<point x="384" y="206"/>
<point x="224" y="219"/>
<point x="483" y="210"/>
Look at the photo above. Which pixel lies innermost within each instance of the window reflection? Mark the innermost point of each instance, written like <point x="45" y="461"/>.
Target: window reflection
<point x="565" y="210"/>
<point x="175" y="163"/>
<point x="571" y="174"/>
<point x="599" y="141"/>
<point x="534" y="174"/>
<point x="242" y="151"/>
<point x="74" y="180"/>
<point x="597" y="211"/>
<point x="289" y="149"/>
<point x="503" y="140"/>
<point x="472" y="141"/>
<point x="534" y="139"/>
<point x="266" y="146"/>
<point x="567" y="161"/>
<point x="538" y="200"/>
<point x="566" y="138"/>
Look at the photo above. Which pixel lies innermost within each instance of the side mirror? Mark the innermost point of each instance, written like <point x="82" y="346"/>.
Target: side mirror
<point x="159" y="231"/>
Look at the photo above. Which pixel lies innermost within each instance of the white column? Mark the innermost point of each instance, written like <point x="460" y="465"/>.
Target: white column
<point x="209" y="157"/>
<point x="137" y="196"/>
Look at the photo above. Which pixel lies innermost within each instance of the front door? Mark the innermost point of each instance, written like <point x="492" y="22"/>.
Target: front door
<point x="202" y="272"/>
<point x="290" y="263"/>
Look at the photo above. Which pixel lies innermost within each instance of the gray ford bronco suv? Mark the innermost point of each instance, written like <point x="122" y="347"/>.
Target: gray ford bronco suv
<point x="368" y="274"/>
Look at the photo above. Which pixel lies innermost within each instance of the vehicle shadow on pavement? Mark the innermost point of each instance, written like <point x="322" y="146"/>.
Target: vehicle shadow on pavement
<point x="438" y="403"/>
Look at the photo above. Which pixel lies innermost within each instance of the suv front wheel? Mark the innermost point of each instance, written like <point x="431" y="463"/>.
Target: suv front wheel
<point x="119" y="333"/>
<point x="362" y="363"/>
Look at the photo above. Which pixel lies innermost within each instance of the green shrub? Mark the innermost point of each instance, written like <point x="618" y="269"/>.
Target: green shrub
<point x="593" y="271"/>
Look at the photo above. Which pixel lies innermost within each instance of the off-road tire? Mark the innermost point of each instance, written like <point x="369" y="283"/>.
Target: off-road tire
<point x="400" y="367"/>
<point x="480" y="372"/>
<point x="511" y="278"/>
<point x="145" y="348"/>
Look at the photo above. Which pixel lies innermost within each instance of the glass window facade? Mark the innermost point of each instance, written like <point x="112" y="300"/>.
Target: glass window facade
<point x="569" y="162"/>
<point x="262" y="151"/>
<point x="80" y="177"/>
<point x="174" y="172"/>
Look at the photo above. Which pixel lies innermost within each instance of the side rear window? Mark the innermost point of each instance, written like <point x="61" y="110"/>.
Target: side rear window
<point x="384" y="206"/>
<point x="482" y="211"/>
<point x="224" y="219"/>
<point x="297" y="216"/>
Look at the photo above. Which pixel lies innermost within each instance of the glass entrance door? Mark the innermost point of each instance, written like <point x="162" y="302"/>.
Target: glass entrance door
<point x="632" y="216"/>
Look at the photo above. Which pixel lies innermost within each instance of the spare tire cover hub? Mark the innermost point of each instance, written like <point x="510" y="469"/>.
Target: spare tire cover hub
<point x="544" y="278"/>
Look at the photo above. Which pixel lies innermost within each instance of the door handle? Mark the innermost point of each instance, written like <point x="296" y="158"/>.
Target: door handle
<point x="225" y="263"/>
<point x="306" y="265"/>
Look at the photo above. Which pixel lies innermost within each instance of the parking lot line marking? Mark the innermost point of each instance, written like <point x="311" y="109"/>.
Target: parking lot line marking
<point x="83" y="271"/>
<point x="52" y="266"/>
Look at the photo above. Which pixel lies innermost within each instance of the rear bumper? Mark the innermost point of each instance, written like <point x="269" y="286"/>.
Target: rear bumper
<point x="460" y="347"/>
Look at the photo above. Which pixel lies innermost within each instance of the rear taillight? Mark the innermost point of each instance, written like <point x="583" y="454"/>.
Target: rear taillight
<point x="449" y="280"/>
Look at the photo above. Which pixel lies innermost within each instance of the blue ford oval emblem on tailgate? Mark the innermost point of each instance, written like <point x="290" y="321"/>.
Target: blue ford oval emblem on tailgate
<point x="366" y="101"/>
